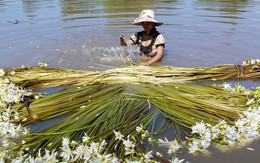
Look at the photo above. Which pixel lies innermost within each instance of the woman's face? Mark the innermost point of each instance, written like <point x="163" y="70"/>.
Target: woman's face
<point x="148" y="26"/>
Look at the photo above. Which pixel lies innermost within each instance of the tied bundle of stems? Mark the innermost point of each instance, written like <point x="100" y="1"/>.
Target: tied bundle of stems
<point x="35" y="77"/>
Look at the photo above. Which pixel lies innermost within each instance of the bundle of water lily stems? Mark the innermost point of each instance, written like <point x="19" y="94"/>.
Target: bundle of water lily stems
<point x="35" y="77"/>
<point x="96" y="103"/>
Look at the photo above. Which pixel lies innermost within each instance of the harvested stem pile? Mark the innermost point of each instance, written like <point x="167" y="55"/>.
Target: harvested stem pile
<point x="35" y="77"/>
<point x="96" y="103"/>
<point x="99" y="109"/>
<point x="194" y="102"/>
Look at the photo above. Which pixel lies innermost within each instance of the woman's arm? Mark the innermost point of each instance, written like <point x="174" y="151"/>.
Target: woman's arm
<point x="157" y="57"/>
<point x="125" y="43"/>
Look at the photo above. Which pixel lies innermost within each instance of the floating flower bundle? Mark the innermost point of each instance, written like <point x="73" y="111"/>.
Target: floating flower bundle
<point x="118" y="115"/>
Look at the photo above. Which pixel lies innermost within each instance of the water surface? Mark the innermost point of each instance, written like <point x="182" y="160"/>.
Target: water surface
<point x="78" y="34"/>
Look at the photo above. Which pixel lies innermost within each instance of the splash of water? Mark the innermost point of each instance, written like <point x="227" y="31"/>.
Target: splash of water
<point x="90" y="56"/>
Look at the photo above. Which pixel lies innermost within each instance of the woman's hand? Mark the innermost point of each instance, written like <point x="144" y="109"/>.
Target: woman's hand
<point x="145" y="63"/>
<point x="122" y="40"/>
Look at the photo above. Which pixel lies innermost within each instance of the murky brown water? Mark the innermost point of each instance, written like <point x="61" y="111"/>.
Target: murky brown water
<point x="84" y="34"/>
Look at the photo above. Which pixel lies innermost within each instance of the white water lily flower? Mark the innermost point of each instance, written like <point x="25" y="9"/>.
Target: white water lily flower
<point x="145" y="134"/>
<point x="241" y="139"/>
<point x="240" y="123"/>
<point x="42" y="64"/>
<point x="173" y="146"/>
<point x="94" y="147"/>
<point x="10" y="93"/>
<point x="103" y="158"/>
<point x="199" y="128"/>
<point x="129" y="146"/>
<point x="31" y="159"/>
<point x="79" y="152"/>
<point x="115" y="160"/>
<point x="2" y="72"/>
<point x="205" y="143"/>
<point x="10" y="130"/>
<point x="230" y="135"/>
<point x="176" y="160"/>
<point x="73" y="143"/>
<point x="118" y="135"/>
<point x="215" y="132"/>
<point x="12" y="73"/>
<point x="148" y="156"/>
<point x="87" y="154"/>
<point x="39" y="157"/>
<point x="128" y="143"/>
<point x="85" y="138"/>
<point x="226" y="86"/>
<point x="252" y="116"/>
<point x="65" y="142"/>
<point x="3" y="156"/>
<point x="139" y="128"/>
<point x="159" y="154"/>
<point x="5" y="143"/>
<point x="207" y="135"/>
<point x="36" y="97"/>
<point x="194" y="146"/>
<point x="129" y="151"/>
<point x="66" y="154"/>
<point x="246" y="132"/>
<point x="252" y="132"/>
<point x="17" y="160"/>
<point x="102" y="145"/>
<point x="50" y="157"/>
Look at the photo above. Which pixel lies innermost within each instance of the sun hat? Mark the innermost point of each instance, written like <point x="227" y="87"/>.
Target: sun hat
<point x="146" y="16"/>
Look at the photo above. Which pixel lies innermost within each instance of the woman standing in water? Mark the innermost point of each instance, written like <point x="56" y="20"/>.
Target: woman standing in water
<point x="150" y="42"/>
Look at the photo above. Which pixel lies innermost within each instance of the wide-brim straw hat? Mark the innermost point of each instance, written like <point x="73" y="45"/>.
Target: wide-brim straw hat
<point x="146" y="16"/>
